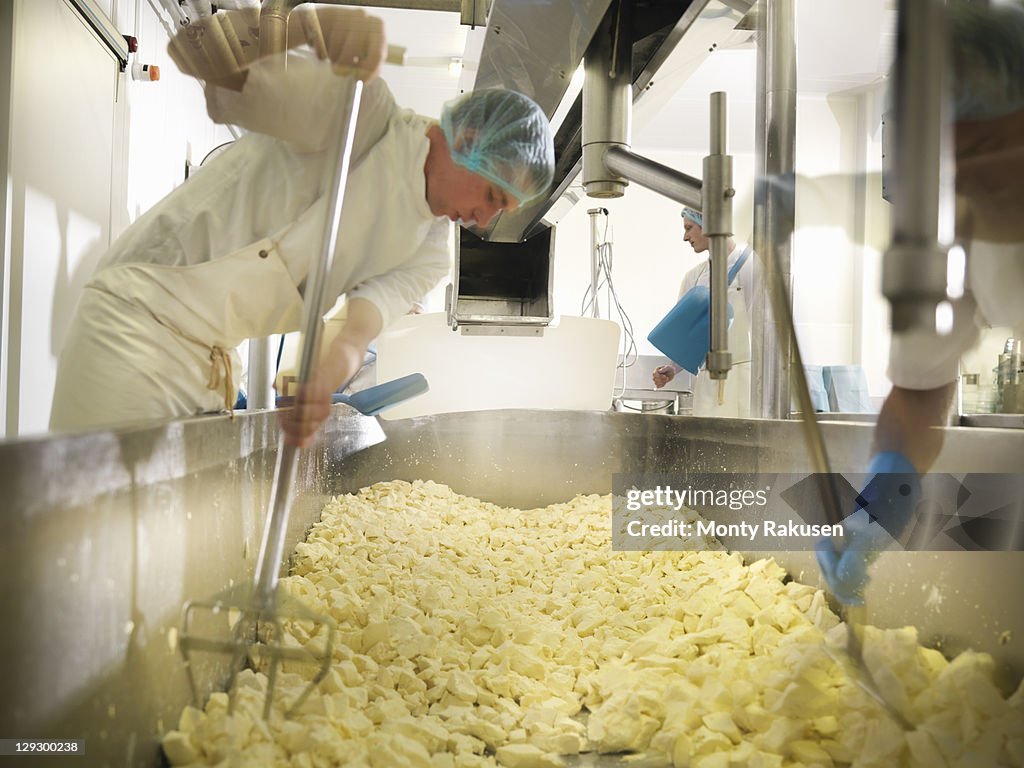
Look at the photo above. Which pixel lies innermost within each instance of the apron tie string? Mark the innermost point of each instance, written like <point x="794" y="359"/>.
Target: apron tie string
<point x="220" y="375"/>
<point x="220" y="358"/>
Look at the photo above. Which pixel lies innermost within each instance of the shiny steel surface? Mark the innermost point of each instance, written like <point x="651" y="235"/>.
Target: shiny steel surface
<point x="272" y="549"/>
<point x="717" y="210"/>
<point x="274" y="26"/>
<point x="260" y="379"/>
<point x="774" y="203"/>
<point x="107" y="534"/>
<point x="914" y="267"/>
<point x="673" y="184"/>
<point x="607" y="102"/>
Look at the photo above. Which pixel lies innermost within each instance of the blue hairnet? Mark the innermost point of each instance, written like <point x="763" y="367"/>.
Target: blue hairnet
<point x="694" y="215"/>
<point x="988" y="51"/>
<point x="504" y="137"/>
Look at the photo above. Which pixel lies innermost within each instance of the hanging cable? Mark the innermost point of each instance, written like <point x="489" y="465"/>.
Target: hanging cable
<point x="602" y="279"/>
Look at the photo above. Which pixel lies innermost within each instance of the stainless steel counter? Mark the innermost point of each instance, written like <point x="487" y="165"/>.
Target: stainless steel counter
<point x="107" y="534"/>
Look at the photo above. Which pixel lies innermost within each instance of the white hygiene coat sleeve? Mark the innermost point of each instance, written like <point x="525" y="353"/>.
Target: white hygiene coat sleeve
<point x="394" y="292"/>
<point x="303" y="104"/>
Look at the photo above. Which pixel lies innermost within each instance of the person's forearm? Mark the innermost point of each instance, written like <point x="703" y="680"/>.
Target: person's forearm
<point x="348" y="349"/>
<point x="343" y="359"/>
<point x="908" y="421"/>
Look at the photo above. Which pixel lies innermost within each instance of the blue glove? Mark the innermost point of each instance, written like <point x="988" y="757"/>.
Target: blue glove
<point x="885" y="507"/>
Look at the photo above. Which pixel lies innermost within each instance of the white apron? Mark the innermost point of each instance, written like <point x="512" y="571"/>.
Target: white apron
<point x="155" y="341"/>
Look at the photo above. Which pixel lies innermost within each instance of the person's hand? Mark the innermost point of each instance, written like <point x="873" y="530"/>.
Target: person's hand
<point x="218" y="48"/>
<point x="347" y="37"/>
<point x="662" y="375"/>
<point x="311" y="407"/>
<point x="889" y="501"/>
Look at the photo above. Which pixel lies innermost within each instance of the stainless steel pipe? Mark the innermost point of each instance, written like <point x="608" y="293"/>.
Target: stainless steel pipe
<point x="717" y="197"/>
<point x="607" y="105"/>
<point x="774" y="203"/>
<point x="272" y="549"/>
<point x="652" y="175"/>
<point x="274" y="26"/>
<point x="259" y="393"/>
<point x="595" y="260"/>
<point x="915" y="266"/>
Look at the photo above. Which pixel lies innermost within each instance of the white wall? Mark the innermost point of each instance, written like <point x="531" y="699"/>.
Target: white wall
<point x="825" y="258"/>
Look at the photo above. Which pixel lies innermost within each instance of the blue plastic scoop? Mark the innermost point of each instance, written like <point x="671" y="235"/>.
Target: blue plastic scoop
<point x="373" y="400"/>
<point x="684" y="333"/>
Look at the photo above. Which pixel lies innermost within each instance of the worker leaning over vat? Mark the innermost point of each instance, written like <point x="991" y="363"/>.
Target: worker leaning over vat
<point x="988" y="54"/>
<point x="224" y="257"/>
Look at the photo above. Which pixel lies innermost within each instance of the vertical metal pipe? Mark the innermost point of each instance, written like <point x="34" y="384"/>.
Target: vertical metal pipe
<point x="719" y="122"/>
<point x="717" y="197"/>
<point x="259" y="395"/>
<point x="274" y="26"/>
<point x="273" y="40"/>
<point x="607" y="102"/>
<point x="914" y="269"/>
<point x="774" y="202"/>
<point x="272" y="546"/>
<point x="594" y="260"/>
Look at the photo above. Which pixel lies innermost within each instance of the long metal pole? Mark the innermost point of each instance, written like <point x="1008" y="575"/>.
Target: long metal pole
<point x="775" y="341"/>
<point x="607" y="102"/>
<point x="274" y="27"/>
<point x="717" y="210"/>
<point x="259" y="394"/>
<point x="272" y="547"/>
<point x="594" y="261"/>
<point x="774" y="202"/>
<point x="914" y="269"/>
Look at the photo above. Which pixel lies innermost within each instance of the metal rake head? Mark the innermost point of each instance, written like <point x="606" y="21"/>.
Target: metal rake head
<point x="852" y="660"/>
<point x="286" y="634"/>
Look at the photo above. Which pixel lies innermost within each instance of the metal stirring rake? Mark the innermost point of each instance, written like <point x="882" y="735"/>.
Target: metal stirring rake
<point x="853" y="616"/>
<point x="257" y="617"/>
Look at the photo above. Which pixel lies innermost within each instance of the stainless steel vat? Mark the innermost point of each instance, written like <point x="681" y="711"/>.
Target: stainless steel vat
<point x="105" y="535"/>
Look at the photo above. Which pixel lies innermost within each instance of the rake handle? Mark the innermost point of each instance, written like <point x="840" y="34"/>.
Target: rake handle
<point x="272" y="547"/>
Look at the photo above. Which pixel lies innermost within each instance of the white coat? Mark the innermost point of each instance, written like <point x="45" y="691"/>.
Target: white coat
<point x="736" y="401"/>
<point x="224" y="257"/>
<point x="995" y="278"/>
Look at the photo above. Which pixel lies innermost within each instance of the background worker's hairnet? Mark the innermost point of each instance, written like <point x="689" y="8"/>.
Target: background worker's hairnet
<point x="988" y="55"/>
<point x="504" y="137"/>
<point x="693" y="215"/>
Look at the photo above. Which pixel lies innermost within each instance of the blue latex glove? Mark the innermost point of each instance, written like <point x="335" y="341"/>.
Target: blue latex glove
<point x="890" y="498"/>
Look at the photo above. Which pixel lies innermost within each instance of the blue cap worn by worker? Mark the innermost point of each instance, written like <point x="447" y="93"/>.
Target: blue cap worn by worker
<point x="988" y="52"/>
<point x="693" y="215"/>
<point x="504" y="137"/>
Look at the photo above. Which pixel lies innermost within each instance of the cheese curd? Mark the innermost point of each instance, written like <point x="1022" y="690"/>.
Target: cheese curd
<point x="475" y="635"/>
